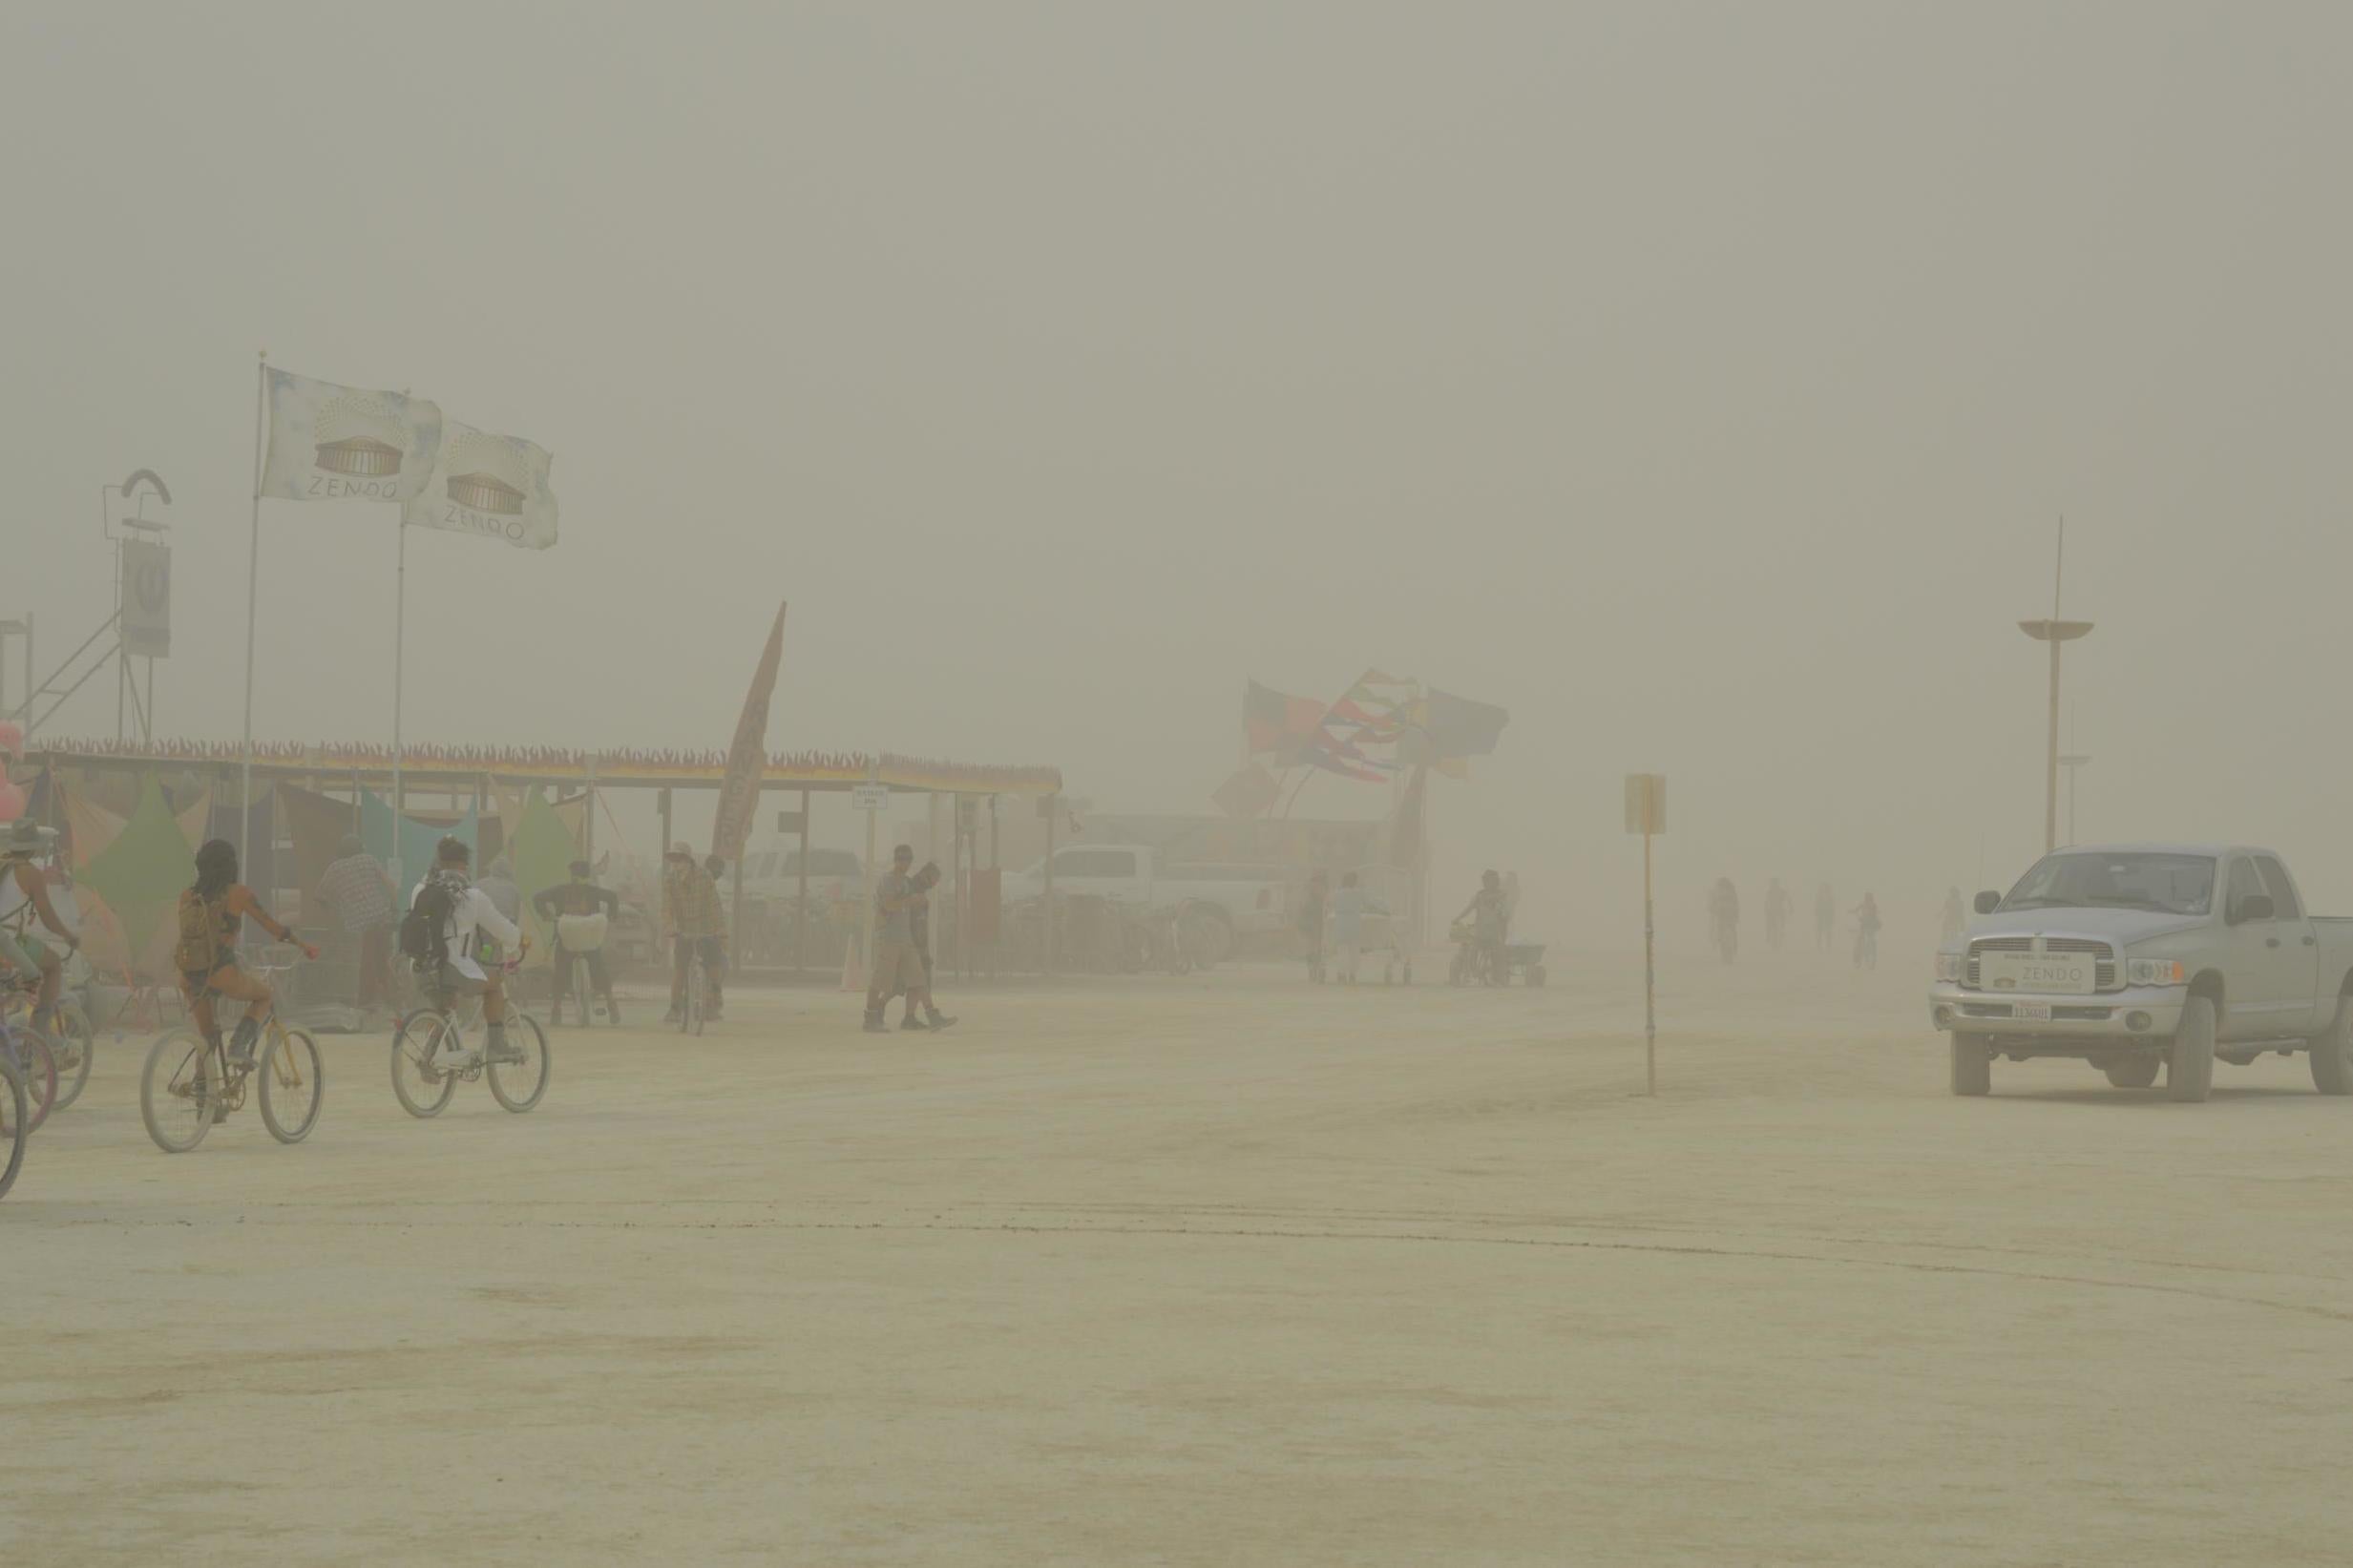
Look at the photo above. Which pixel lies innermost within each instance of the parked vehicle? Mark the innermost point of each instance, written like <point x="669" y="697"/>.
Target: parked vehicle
<point x="2144" y="959"/>
<point x="1247" y="900"/>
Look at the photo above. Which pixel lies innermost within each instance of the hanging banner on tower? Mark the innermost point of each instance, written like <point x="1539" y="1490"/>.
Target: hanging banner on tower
<point x="330" y="443"/>
<point x="493" y="486"/>
<point x="146" y="598"/>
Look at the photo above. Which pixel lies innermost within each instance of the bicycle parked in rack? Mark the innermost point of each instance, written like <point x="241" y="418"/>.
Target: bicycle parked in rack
<point x="191" y="1082"/>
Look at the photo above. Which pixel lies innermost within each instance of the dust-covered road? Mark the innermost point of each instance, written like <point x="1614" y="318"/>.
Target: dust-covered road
<point x="1208" y="1272"/>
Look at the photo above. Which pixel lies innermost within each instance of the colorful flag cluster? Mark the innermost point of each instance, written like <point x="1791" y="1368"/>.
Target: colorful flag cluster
<point x="1380" y="725"/>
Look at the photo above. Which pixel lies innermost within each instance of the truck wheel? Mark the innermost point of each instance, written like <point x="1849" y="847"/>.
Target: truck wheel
<point x="1972" y="1065"/>
<point x="2189" y="1070"/>
<point x="2131" y="1072"/>
<point x="2332" y="1053"/>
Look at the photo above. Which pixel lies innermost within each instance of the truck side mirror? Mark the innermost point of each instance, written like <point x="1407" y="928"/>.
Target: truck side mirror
<point x="2253" y="906"/>
<point x="1988" y="902"/>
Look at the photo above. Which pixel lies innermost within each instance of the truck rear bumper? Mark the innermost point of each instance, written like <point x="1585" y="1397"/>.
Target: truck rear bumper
<point x="2108" y="1018"/>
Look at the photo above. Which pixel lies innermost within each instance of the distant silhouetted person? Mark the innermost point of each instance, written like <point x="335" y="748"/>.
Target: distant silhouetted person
<point x="1778" y="905"/>
<point x="1724" y="918"/>
<point x="1867" y="932"/>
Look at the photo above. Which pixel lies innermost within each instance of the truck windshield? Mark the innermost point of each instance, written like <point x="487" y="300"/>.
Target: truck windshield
<point x="2170" y="884"/>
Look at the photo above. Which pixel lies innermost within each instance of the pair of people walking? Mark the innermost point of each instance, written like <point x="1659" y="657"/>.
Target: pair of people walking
<point x="902" y="945"/>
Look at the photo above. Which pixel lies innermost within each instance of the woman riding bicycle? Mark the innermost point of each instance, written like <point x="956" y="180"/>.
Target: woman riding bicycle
<point x="210" y="915"/>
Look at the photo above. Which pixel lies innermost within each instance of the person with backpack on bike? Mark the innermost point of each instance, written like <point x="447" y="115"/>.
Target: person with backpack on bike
<point x="442" y="936"/>
<point x="580" y="910"/>
<point x="24" y="898"/>
<point x="212" y="912"/>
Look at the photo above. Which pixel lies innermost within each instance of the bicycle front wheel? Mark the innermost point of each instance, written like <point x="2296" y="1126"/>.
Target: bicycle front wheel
<point x="74" y="1041"/>
<point x="40" y="1065"/>
<point x="422" y="1089"/>
<point x="177" y="1091"/>
<point x="12" y="1129"/>
<point x="293" y="1086"/>
<point x="518" y="1085"/>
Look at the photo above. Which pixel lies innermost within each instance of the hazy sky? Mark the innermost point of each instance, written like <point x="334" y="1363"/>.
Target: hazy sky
<point x="1700" y="381"/>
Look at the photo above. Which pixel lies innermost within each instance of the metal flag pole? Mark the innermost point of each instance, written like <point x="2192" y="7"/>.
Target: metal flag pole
<point x="400" y="635"/>
<point x="253" y="582"/>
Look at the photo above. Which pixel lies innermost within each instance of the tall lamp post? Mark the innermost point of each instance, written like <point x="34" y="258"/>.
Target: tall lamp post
<point x="2054" y="632"/>
<point x="2073" y="761"/>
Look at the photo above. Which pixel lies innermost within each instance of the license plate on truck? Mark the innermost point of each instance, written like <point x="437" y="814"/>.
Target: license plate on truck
<point x="2038" y="1011"/>
<point x="2069" y="974"/>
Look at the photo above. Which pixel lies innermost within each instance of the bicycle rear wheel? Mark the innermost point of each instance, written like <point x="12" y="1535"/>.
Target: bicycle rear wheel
<point x="12" y="1129"/>
<point x="698" y="997"/>
<point x="73" y="1042"/>
<point x="518" y="1085"/>
<point x="293" y="1086"/>
<point x="177" y="1090"/>
<point x="421" y="1089"/>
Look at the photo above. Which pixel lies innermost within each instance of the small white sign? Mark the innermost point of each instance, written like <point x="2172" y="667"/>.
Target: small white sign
<point x="869" y="797"/>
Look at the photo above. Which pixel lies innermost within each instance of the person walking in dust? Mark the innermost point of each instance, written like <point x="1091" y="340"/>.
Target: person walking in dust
<point x="1349" y="908"/>
<point x="898" y="963"/>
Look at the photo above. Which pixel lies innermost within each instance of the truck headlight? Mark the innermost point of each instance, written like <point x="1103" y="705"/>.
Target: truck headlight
<point x="1951" y="966"/>
<point x="2152" y="972"/>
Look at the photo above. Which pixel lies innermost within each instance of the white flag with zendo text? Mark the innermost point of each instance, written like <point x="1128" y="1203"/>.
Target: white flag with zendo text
<point x="492" y="486"/>
<point x="331" y="443"/>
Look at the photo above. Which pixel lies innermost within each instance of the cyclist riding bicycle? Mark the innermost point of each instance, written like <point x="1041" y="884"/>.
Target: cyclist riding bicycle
<point x="444" y="936"/>
<point x="212" y="912"/>
<point x="24" y="898"/>
<point x="580" y="910"/>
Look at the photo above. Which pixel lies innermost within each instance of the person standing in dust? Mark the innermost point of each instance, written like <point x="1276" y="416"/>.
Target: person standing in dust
<point x="1311" y="908"/>
<point x="1825" y="915"/>
<point x="1867" y="932"/>
<point x="1777" y="907"/>
<point x="1954" y="917"/>
<point x="1724" y="918"/>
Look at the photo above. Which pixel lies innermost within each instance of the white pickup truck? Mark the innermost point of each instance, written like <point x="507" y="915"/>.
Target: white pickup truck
<point x="2146" y="957"/>
<point x="1250" y="899"/>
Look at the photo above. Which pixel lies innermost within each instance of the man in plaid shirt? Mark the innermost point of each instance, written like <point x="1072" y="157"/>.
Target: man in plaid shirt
<point x="357" y="893"/>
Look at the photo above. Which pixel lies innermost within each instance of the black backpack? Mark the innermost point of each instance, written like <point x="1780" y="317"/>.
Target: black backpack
<point x="424" y="930"/>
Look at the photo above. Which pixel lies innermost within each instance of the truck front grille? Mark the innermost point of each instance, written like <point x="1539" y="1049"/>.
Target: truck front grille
<point x="2104" y="972"/>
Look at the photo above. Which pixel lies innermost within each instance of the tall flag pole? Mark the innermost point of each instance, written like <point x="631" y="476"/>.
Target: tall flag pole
<point x="253" y="581"/>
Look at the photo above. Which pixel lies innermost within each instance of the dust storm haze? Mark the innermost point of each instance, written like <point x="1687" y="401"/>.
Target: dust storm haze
<point x="1705" y="384"/>
<point x="1701" y="382"/>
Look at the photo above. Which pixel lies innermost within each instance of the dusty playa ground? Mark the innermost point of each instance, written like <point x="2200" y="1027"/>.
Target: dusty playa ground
<point x="1226" y="1270"/>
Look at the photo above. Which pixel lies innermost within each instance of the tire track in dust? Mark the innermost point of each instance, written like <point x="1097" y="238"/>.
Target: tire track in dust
<point x="467" y="1218"/>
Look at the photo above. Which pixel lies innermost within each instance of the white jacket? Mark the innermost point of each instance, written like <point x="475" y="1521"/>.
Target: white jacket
<point x="475" y="912"/>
